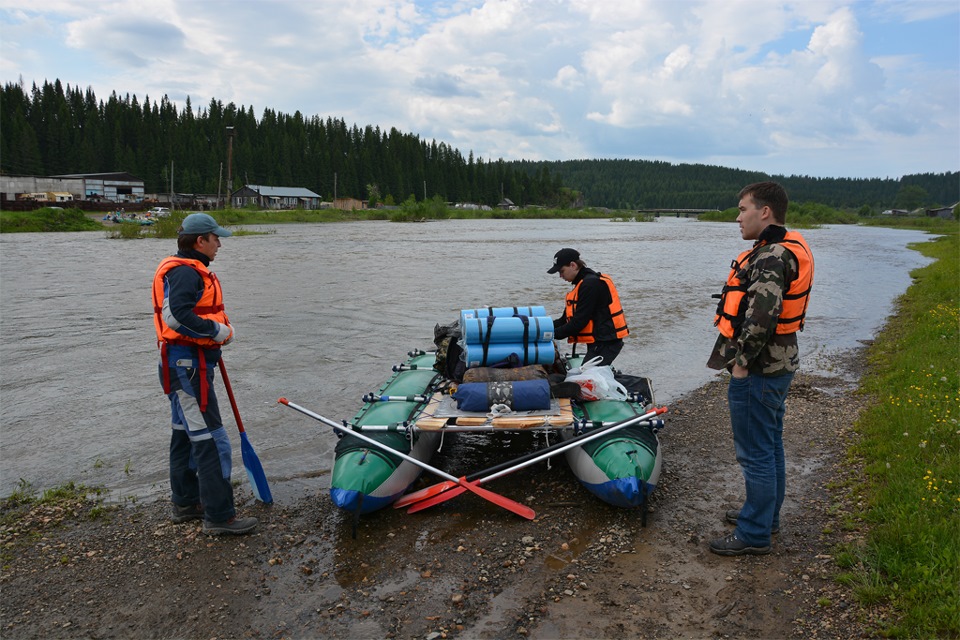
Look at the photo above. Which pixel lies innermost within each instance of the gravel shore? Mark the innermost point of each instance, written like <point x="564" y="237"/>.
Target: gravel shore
<point x="467" y="569"/>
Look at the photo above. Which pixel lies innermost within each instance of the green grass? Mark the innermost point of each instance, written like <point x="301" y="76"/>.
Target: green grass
<point x="535" y="214"/>
<point x="408" y="212"/>
<point x="126" y="231"/>
<point x="46" y="219"/>
<point x="812" y="215"/>
<point x="933" y="225"/>
<point x="76" y="220"/>
<point x="26" y="518"/>
<point x="909" y="492"/>
<point x="800" y="216"/>
<point x="806" y="215"/>
<point x="24" y="498"/>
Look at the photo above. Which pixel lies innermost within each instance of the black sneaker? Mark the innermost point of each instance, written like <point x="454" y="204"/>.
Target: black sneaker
<point x="187" y="513"/>
<point x="734" y="546"/>
<point x="733" y="515"/>
<point x="233" y="526"/>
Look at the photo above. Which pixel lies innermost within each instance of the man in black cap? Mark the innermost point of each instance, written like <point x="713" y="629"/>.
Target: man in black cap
<point x="593" y="314"/>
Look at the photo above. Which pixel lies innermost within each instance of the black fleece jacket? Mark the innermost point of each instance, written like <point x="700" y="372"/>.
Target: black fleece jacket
<point x="593" y="303"/>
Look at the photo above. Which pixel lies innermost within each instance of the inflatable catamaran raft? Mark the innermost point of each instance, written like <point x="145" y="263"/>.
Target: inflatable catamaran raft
<point x="495" y="370"/>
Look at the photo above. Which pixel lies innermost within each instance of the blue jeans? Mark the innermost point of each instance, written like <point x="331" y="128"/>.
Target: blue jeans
<point x="757" y="405"/>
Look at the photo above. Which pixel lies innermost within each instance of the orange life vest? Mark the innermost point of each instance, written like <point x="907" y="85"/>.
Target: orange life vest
<point x="586" y="334"/>
<point x="209" y="307"/>
<point x="733" y="300"/>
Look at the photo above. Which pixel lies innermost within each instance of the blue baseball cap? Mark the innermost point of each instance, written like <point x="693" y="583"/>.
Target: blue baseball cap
<point x="201" y="223"/>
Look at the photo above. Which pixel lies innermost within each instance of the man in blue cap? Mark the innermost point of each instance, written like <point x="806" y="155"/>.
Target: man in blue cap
<point x="192" y="326"/>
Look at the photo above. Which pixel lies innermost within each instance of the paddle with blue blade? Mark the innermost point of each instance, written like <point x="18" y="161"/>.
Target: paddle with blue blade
<point x="499" y="500"/>
<point x="258" y="479"/>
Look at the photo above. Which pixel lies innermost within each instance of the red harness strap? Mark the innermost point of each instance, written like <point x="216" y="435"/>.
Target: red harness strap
<point x="202" y="358"/>
<point x="201" y="366"/>
<point x="165" y="367"/>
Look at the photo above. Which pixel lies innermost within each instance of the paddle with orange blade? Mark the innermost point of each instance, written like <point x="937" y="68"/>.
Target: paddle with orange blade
<point x="497" y="499"/>
<point x="444" y="491"/>
<point x="534" y="456"/>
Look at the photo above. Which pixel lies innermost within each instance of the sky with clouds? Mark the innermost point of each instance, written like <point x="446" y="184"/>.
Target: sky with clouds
<point x="830" y="88"/>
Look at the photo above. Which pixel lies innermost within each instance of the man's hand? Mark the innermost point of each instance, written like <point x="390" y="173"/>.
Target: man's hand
<point x="739" y="372"/>
<point x="224" y="333"/>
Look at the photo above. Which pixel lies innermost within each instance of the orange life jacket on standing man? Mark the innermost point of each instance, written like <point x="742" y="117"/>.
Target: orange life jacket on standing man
<point x="209" y="307"/>
<point x="733" y="300"/>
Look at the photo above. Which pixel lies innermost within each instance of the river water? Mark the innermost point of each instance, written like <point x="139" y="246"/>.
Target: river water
<point x="322" y="311"/>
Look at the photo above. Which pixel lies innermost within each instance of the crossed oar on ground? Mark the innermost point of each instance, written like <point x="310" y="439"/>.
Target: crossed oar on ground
<point x="453" y="486"/>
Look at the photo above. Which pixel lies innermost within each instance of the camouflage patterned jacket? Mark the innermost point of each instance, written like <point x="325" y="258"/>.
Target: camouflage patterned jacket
<point x="759" y="348"/>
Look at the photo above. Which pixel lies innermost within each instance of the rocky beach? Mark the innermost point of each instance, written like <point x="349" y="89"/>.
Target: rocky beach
<point x="465" y="569"/>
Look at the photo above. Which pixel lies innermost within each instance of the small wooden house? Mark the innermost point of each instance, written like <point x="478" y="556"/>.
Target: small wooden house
<point x="266" y="197"/>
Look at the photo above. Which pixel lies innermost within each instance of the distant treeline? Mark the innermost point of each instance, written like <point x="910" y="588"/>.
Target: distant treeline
<point x="638" y="184"/>
<point x="49" y="130"/>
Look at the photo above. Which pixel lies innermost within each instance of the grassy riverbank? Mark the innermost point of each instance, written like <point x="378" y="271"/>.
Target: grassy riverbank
<point x="805" y="215"/>
<point x="47" y="219"/>
<point x="800" y="216"/>
<point x="57" y="219"/>
<point x="908" y="494"/>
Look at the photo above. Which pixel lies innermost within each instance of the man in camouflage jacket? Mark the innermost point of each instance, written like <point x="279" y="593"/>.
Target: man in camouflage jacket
<point x="761" y="363"/>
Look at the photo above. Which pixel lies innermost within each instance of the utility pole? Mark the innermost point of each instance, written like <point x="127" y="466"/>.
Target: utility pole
<point x="230" y="134"/>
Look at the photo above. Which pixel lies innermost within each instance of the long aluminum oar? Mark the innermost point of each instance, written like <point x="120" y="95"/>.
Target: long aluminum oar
<point x="506" y="503"/>
<point x="443" y="491"/>
<point x="371" y="397"/>
<point x="526" y="459"/>
<point x="258" y="479"/>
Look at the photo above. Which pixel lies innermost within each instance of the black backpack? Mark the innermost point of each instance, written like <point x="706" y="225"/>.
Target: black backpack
<point x="449" y="361"/>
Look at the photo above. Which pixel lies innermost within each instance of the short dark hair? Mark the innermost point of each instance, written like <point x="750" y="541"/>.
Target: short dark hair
<point x="768" y="194"/>
<point x="187" y="241"/>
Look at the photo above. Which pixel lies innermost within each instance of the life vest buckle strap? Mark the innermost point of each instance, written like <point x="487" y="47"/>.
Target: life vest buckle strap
<point x="165" y="368"/>
<point x="201" y="367"/>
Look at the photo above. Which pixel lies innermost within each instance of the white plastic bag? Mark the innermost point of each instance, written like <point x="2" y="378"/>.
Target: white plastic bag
<point x="597" y="383"/>
<point x="589" y="364"/>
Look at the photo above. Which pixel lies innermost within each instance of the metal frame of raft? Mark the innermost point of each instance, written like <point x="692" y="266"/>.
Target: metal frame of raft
<point x="621" y="469"/>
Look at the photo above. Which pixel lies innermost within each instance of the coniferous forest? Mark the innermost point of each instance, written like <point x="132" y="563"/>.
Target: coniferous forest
<point x="639" y="184"/>
<point x="52" y="130"/>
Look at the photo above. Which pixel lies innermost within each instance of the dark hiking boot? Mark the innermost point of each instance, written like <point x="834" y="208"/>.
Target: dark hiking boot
<point x="233" y="526"/>
<point x="734" y="546"/>
<point x="187" y="513"/>
<point x="733" y="515"/>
